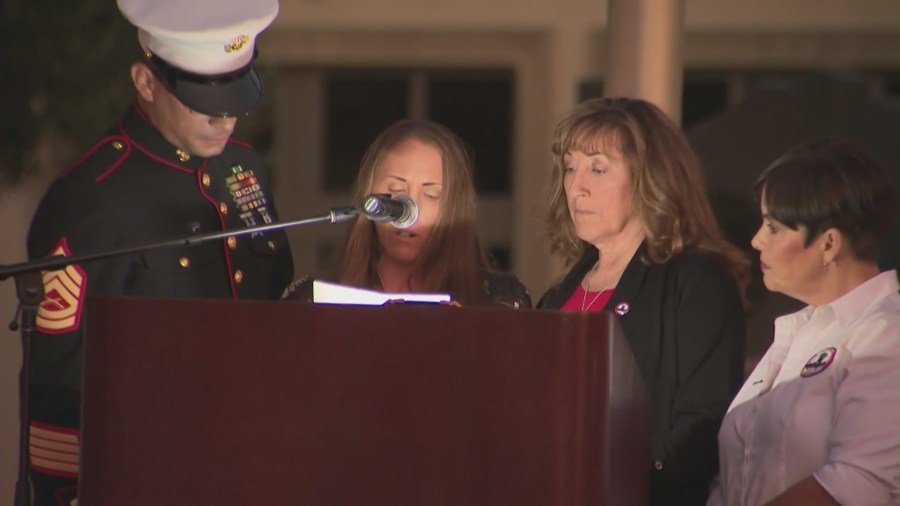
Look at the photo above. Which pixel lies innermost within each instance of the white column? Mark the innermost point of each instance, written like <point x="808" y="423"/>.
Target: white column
<point x="546" y="88"/>
<point x="644" y="52"/>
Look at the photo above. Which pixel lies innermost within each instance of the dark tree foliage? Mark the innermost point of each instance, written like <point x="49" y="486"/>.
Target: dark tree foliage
<point x="63" y="64"/>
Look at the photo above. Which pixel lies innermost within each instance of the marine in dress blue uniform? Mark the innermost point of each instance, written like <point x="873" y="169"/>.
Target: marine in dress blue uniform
<point x="139" y="185"/>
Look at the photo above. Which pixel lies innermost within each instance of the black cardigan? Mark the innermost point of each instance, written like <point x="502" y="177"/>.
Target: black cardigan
<point x="685" y="326"/>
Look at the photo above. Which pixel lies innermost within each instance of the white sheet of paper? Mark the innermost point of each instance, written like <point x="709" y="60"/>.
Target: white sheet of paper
<point x="332" y="293"/>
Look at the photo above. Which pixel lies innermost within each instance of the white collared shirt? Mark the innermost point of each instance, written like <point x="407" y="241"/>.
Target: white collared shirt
<point x="823" y="401"/>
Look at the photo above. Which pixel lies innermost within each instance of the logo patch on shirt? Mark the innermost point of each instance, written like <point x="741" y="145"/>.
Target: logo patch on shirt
<point x="64" y="290"/>
<point x="818" y="362"/>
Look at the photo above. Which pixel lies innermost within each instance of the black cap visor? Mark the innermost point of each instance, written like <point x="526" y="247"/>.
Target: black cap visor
<point x="225" y="95"/>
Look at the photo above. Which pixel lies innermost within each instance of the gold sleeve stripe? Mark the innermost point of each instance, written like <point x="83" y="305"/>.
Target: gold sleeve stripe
<point x="74" y="274"/>
<point x="53" y="435"/>
<point x="54" y="456"/>
<point x="55" y="467"/>
<point x="47" y="444"/>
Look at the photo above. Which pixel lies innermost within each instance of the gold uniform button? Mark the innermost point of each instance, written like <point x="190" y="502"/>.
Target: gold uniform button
<point x="271" y="245"/>
<point x="231" y="242"/>
<point x="182" y="155"/>
<point x="205" y="179"/>
<point x="184" y="261"/>
<point x="223" y="208"/>
<point x="117" y="145"/>
<point x="238" y="276"/>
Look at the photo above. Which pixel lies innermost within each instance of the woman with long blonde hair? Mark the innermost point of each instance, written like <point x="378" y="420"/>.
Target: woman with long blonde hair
<point x="440" y="252"/>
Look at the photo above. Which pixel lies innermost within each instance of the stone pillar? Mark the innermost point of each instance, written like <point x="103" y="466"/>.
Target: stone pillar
<point x="644" y="52"/>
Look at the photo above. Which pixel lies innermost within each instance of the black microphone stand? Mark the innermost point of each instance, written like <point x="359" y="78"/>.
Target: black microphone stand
<point x="30" y="292"/>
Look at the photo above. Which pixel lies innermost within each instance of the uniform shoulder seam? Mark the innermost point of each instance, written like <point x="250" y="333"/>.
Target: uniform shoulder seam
<point x="118" y="143"/>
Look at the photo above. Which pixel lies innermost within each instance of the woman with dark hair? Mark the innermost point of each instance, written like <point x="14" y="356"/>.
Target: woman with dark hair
<point x="818" y="420"/>
<point x="628" y="210"/>
<point x="441" y="252"/>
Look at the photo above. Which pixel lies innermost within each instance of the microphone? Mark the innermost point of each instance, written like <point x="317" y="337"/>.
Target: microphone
<point x="401" y="211"/>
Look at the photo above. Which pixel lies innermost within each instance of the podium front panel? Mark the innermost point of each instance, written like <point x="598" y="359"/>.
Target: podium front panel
<point x="222" y="402"/>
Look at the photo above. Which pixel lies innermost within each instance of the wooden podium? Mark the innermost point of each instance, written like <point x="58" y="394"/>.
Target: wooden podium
<point x="206" y="402"/>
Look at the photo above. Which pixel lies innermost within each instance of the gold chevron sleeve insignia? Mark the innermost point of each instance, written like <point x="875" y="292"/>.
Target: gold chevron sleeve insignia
<point x="54" y="450"/>
<point x="64" y="291"/>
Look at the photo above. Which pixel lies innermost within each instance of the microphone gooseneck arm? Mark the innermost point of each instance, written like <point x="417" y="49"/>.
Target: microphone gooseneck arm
<point x="335" y="215"/>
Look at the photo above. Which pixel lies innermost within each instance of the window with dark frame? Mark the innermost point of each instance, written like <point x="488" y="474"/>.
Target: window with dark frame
<point x="702" y="96"/>
<point x="359" y="105"/>
<point x="479" y="108"/>
<point x="476" y="104"/>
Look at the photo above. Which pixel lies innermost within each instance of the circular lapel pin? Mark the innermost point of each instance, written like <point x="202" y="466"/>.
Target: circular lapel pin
<point x="818" y="362"/>
<point x="622" y="308"/>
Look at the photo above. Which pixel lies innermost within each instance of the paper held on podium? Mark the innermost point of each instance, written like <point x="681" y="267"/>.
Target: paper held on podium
<point x="331" y="293"/>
